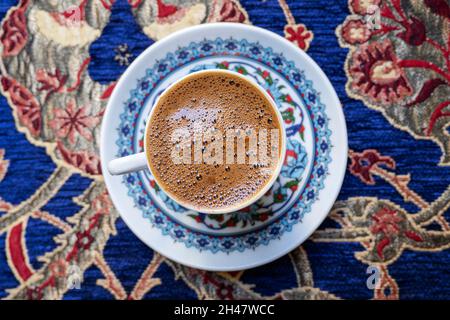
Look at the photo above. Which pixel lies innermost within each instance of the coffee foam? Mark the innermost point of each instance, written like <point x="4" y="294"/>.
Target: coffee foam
<point x="198" y="104"/>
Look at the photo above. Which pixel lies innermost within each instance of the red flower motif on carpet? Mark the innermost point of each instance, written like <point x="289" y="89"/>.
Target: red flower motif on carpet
<point x="385" y="221"/>
<point x="389" y="224"/>
<point x="362" y="6"/>
<point x="400" y="47"/>
<point x="376" y="74"/>
<point x="355" y="31"/>
<point x="84" y="240"/>
<point x="72" y="122"/>
<point x="299" y="35"/>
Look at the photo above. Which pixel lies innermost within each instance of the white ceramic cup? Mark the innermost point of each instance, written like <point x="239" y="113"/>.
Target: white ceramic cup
<point x="140" y="161"/>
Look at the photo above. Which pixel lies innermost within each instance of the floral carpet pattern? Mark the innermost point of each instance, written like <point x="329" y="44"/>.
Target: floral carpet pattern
<point x="389" y="61"/>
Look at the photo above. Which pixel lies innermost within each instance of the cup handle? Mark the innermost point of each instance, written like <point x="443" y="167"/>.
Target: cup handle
<point x="132" y="163"/>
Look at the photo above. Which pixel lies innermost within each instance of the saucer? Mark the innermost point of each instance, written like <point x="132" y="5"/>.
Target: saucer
<point x="309" y="181"/>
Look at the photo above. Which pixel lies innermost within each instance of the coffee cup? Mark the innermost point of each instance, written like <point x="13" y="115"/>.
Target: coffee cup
<point x="146" y="159"/>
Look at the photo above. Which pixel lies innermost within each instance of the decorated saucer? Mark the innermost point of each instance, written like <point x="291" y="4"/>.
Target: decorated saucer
<point x="309" y="181"/>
